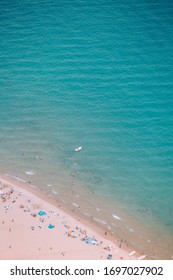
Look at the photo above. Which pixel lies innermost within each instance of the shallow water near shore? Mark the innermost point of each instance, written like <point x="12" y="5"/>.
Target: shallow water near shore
<point x="97" y="75"/>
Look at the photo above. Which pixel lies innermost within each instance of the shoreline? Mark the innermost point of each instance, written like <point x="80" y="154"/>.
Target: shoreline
<point x="26" y="234"/>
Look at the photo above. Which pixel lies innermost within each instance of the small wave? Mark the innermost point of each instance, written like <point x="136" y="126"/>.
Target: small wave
<point x="98" y="209"/>
<point x="38" y="157"/>
<point x="62" y="200"/>
<point x="100" y="221"/>
<point x="76" y="205"/>
<point x="15" y="177"/>
<point x="109" y="228"/>
<point x="114" y="225"/>
<point x="54" y="192"/>
<point x="142" y="257"/>
<point x="129" y="229"/>
<point x="49" y="185"/>
<point x="86" y="214"/>
<point x="21" y="180"/>
<point x="6" y="174"/>
<point x="29" y="172"/>
<point x="132" y="253"/>
<point x="116" y="217"/>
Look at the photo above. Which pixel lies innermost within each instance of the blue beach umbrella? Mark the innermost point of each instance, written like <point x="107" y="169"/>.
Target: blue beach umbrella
<point x="41" y="213"/>
<point x="109" y="256"/>
<point x="51" y="226"/>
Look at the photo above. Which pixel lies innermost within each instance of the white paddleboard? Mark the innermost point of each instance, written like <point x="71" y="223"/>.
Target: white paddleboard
<point x="78" y="149"/>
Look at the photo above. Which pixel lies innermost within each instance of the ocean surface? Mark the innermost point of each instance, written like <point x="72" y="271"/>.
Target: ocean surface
<point x="95" y="74"/>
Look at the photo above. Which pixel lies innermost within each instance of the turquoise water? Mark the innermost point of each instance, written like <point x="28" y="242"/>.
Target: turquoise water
<point x="96" y="74"/>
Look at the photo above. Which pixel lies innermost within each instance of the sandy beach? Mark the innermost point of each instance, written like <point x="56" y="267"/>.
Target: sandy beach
<point x="34" y="227"/>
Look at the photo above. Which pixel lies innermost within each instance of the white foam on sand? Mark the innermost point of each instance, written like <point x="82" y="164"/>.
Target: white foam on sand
<point x="29" y="172"/>
<point x="54" y="192"/>
<point x="62" y="200"/>
<point x="129" y="229"/>
<point x="21" y="180"/>
<point x="141" y="257"/>
<point x="116" y="217"/>
<point x="114" y="225"/>
<point x="109" y="228"/>
<point x="86" y="214"/>
<point x="132" y="253"/>
<point x="16" y="177"/>
<point x="100" y="221"/>
<point x="76" y="205"/>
